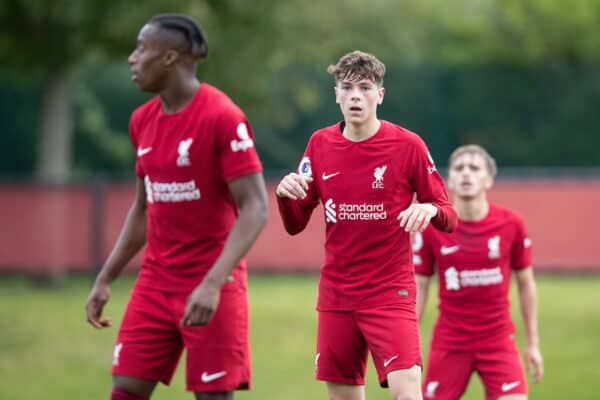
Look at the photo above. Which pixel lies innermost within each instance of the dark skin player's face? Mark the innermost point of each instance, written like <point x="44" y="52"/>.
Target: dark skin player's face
<point x="148" y="60"/>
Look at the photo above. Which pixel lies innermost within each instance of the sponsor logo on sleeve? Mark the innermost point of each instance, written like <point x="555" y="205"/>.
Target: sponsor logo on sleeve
<point x="245" y="141"/>
<point x="431" y="168"/>
<point x="304" y="169"/>
<point x="527" y="243"/>
<point x="417" y="243"/>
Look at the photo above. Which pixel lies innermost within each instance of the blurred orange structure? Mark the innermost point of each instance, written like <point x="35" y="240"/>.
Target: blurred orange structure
<point x="72" y="228"/>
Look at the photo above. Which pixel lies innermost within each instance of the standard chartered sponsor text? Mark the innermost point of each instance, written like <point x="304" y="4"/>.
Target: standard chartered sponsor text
<point x="361" y="212"/>
<point x="481" y="277"/>
<point x="172" y="192"/>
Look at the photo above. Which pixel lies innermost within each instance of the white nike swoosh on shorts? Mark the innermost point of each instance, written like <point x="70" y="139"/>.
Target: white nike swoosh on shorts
<point x="508" y="386"/>
<point x="206" y="378"/>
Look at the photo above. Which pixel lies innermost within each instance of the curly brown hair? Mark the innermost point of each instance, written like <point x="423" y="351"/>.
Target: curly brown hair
<point x="356" y="66"/>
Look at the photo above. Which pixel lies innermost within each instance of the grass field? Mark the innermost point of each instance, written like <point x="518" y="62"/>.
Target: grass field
<point x="48" y="351"/>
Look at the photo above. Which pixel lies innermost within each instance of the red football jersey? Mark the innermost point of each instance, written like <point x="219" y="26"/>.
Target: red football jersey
<point x="186" y="160"/>
<point x="474" y="264"/>
<point x="363" y="187"/>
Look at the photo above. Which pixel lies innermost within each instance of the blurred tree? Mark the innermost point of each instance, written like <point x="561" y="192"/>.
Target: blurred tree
<point x="47" y="40"/>
<point x="270" y="57"/>
<point x="516" y="32"/>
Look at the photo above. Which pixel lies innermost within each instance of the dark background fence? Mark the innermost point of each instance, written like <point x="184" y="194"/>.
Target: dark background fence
<point x="524" y="115"/>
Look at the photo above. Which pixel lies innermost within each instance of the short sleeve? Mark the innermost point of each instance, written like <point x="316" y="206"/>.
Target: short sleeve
<point x="427" y="182"/>
<point x="423" y="259"/>
<point x="236" y="145"/>
<point x="133" y="136"/>
<point x="521" y="250"/>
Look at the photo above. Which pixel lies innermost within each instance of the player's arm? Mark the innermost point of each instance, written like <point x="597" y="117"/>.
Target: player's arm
<point x="292" y="194"/>
<point x="250" y="196"/>
<point x="131" y="239"/>
<point x="528" y="303"/>
<point x="422" y="293"/>
<point x="432" y="204"/>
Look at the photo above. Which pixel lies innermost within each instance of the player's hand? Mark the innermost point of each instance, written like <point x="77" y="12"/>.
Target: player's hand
<point x="535" y="363"/>
<point x="417" y="217"/>
<point x="202" y="304"/>
<point x="95" y="304"/>
<point x="293" y="186"/>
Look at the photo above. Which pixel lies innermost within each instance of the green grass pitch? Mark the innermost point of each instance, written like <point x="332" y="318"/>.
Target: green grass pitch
<point x="48" y="351"/>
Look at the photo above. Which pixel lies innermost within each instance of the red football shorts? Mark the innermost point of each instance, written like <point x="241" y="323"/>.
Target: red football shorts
<point x="344" y="338"/>
<point x="151" y="340"/>
<point x="448" y="372"/>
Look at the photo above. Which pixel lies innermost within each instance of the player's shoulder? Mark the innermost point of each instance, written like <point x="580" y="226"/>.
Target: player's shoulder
<point x="400" y="133"/>
<point x="146" y="110"/>
<point x="402" y="138"/>
<point x="323" y="136"/>
<point x="505" y="214"/>
<point x="327" y="133"/>
<point x="217" y="102"/>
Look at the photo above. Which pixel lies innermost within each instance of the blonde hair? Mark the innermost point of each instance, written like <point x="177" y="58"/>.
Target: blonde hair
<point x="358" y="65"/>
<point x="490" y="163"/>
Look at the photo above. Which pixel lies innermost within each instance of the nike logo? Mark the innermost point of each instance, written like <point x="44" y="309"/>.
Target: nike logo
<point x="211" y="377"/>
<point x="448" y="250"/>
<point x="508" y="386"/>
<point x="325" y="177"/>
<point x="142" y="151"/>
<point x="389" y="360"/>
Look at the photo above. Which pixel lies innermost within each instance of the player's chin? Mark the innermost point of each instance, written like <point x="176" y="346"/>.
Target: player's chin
<point x="465" y="195"/>
<point x="142" y="84"/>
<point x="355" y="118"/>
<point x="137" y="82"/>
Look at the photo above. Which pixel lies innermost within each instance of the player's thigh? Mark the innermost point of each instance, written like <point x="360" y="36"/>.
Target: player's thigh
<point x="405" y="383"/>
<point x="341" y="349"/>
<point x="148" y="345"/>
<point x="214" y="396"/>
<point x="447" y="374"/>
<point x="137" y="386"/>
<point x="341" y="391"/>
<point x="502" y="372"/>
<point x="513" y="397"/>
<point x="392" y="335"/>
<point x="218" y="354"/>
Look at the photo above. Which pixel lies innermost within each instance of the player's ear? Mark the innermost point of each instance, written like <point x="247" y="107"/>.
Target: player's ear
<point x="381" y="93"/>
<point x="489" y="182"/>
<point x="449" y="184"/>
<point x="171" y="56"/>
<point x="337" y="94"/>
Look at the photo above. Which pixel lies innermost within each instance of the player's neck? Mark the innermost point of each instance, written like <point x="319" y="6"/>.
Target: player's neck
<point x="178" y="95"/>
<point x="360" y="132"/>
<point x="471" y="209"/>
